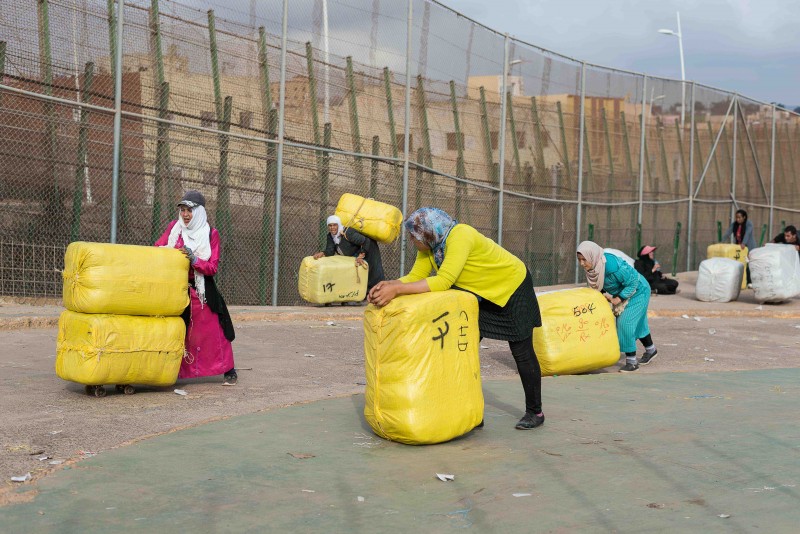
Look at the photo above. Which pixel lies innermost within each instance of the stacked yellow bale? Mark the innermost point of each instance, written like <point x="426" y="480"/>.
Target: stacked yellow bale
<point x="733" y="252"/>
<point x="122" y="322"/>
<point x="422" y="368"/>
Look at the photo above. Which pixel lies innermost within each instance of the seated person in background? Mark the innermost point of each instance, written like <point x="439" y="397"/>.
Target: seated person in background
<point x="788" y="237"/>
<point x="648" y="267"/>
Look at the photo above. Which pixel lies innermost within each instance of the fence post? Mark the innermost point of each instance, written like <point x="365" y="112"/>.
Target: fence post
<point x="373" y="174"/>
<point x="387" y="81"/>
<point x="675" y="246"/>
<point x="113" y="39"/>
<point x="355" y="132"/>
<point x="270" y="120"/>
<point x="117" y="118"/>
<point x="46" y="67"/>
<point x="610" y="167"/>
<point x="734" y="205"/>
<point x="642" y="155"/>
<point x="406" y="136"/>
<point x="82" y="164"/>
<point x="689" y="226"/>
<point x="772" y="176"/>
<point x="3" y="45"/>
<point x="461" y="189"/>
<point x="502" y="141"/>
<point x="223" y="192"/>
<point x="537" y="125"/>
<point x="487" y="135"/>
<point x="312" y="92"/>
<point x="423" y="121"/>
<point x="581" y="148"/>
<point x="279" y="177"/>
<point x="564" y="147"/>
<point x="324" y="178"/>
<point x="514" y="139"/>
<point x="791" y="153"/>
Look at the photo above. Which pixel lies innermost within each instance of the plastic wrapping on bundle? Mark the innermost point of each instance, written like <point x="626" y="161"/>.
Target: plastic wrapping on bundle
<point x="422" y="367"/>
<point x="578" y="332"/>
<point x="125" y="279"/>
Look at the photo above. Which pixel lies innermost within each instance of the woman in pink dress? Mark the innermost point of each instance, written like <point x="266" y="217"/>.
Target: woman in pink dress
<point x="209" y="330"/>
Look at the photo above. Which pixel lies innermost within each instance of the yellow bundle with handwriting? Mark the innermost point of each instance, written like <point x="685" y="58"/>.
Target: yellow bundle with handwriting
<point x="578" y="332"/>
<point x="422" y="367"/>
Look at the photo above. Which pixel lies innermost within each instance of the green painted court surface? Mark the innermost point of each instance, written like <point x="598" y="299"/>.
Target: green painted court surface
<point x="625" y="453"/>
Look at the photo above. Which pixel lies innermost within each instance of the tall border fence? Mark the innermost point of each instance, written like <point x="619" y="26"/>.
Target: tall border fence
<point x="110" y="110"/>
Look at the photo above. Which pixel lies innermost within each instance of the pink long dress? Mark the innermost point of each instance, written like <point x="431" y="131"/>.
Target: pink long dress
<point x="208" y="352"/>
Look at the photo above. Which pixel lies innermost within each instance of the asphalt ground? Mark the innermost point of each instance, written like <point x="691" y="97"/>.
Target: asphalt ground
<point x="295" y="356"/>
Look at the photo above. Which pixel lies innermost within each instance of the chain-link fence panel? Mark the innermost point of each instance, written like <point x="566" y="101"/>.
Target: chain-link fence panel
<point x="201" y="109"/>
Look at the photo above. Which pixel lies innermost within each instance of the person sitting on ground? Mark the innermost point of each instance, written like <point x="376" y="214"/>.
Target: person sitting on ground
<point x="788" y="237"/>
<point x="648" y="267"/>
<point x="348" y="242"/>
<point x="629" y="295"/>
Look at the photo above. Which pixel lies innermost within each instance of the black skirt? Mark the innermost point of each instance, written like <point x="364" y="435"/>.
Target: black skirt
<point x="516" y="320"/>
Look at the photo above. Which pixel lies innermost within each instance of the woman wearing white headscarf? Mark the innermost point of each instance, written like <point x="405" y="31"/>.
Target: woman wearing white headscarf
<point x="209" y="330"/>
<point x="628" y="292"/>
<point x="348" y="242"/>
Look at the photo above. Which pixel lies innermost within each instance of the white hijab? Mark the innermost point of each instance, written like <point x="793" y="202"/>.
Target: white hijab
<point x="334" y="219"/>
<point x="196" y="237"/>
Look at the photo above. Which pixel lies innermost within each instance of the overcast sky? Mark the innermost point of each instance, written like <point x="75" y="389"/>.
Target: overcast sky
<point x="752" y="47"/>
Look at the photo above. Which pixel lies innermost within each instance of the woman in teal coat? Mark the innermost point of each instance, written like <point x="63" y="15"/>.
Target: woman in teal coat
<point x="629" y="294"/>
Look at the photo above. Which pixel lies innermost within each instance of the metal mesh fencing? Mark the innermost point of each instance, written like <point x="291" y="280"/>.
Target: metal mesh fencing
<point x="410" y="103"/>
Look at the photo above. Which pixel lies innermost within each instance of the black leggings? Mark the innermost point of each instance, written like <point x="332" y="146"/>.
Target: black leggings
<point x="529" y="372"/>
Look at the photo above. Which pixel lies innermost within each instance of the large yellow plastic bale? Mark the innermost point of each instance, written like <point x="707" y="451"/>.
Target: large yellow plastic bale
<point x="332" y="279"/>
<point x="374" y="219"/>
<point x="97" y="349"/>
<point x="734" y="252"/>
<point x="422" y="367"/>
<point x="578" y="332"/>
<point x="125" y="279"/>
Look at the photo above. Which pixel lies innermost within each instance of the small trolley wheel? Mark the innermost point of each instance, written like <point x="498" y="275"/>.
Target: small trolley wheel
<point x="120" y="388"/>
<point x="129" y="390"/>
<point x="89" y="390"/>
<point x="99" y="391"/>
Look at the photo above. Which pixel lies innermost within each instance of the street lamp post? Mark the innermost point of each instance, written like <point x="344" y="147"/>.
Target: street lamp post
<point x="679" y="35"/>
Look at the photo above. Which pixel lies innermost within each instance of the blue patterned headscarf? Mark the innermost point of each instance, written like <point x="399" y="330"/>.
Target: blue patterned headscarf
<point x="431" y="226"/>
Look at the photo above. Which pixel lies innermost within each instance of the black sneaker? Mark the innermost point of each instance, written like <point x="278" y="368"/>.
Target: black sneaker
<point x="629" y="367"/>
<point x="647" y="356"/>
<point x="230" y="378"/>
<point x="529" y="421"/>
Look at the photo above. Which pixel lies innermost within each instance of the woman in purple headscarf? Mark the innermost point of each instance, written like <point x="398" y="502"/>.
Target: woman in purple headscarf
<point x="460" y="257"/>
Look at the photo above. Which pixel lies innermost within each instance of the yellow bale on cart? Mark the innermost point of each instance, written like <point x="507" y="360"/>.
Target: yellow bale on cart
<point x="97" y="349"/>
<point x="125" y="279"/>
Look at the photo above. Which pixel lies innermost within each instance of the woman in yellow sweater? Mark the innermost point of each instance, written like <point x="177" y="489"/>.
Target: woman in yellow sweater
<point x="458" y="256"/>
